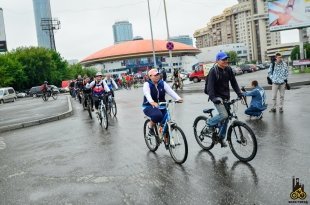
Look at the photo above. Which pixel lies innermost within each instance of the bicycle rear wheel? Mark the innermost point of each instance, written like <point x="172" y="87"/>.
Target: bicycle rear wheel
<point x="150" y="140"/>
<point x="54" y="95"/>
<point x="203" y="138"/>
<point x="242" y="141"/>
<point x="178" y="145"/>
<point x="113" y="107"/>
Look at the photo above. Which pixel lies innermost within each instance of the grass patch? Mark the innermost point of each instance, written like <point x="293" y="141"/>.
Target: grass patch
<point x="297" y="70"/>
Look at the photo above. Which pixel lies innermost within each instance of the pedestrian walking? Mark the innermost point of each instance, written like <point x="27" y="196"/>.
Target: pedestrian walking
<point x="278" y="73"/>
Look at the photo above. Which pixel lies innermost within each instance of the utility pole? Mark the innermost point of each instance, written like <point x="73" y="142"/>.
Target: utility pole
<point x="168" y="35"/>
<point x="49" y="25"/>
<point x="154" y="57"/>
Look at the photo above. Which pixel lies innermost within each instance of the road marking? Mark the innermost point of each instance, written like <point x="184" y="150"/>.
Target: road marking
<point x="2" y="143"/>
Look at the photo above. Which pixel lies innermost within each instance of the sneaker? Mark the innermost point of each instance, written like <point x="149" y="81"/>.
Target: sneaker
<point x="258" y="117"/>
<point x="273" y="110"/>
<point x="223" y="143"/>
<point x="281" y="110"/>
<point x="151" y="132"/>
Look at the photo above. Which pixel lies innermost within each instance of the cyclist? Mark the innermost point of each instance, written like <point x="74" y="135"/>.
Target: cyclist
<point x="99" y="87"/>
<point x="218" y="91"/>
<point x="87" y="92"/>
<point x="154" y="91"/>
<point x="46" y="89"/>
<point x="111" y="83"/>
<point x="177" y="77"/>
<point x="79" y="87"/>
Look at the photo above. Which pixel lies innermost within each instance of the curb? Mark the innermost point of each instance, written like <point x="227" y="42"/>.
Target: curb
<point x="39" y="121"/>
<point x="266" y="87"/>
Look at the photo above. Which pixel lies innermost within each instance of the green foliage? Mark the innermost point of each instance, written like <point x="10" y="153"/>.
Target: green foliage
<point x="25" y="67"/>
<point x="295" y="54"/>
<point x="233" y="57"/>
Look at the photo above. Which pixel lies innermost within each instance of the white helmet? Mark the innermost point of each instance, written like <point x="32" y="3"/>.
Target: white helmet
<point x="98" y="73"/>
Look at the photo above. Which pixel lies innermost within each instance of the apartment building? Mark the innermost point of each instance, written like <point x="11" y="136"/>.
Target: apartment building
<point x="245" y="22"/>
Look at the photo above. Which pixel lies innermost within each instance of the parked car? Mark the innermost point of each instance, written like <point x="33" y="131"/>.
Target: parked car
<point x="254" y="67"/>
<point x="7" y="95"/>
<point x="35" y="91"/>
<point x="246" y="68"/>
<point x="237" y="70"/>
<point x="21" y="95"/>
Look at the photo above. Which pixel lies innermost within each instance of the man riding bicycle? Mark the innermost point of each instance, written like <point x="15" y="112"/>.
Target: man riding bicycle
<point x="99" y="87"/>
<point x="46" y="89"/>
<point x="218" y="91"/>
<point x="177" y="77"/>
<point x="79" y="87"/>
<point x="111" y="83"/>
<point x="154" y="91"/>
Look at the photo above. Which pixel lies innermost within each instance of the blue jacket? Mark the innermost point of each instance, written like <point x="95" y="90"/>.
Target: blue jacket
<point x="280" y="73"/>
<point x="158" y="93"/>
<point x="258" y="98"/>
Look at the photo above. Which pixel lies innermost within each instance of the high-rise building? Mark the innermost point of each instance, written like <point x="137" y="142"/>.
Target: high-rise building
<point x="42" y="10"/>
<point x="186" y="39"/>
<point x="3" y="46"/>
<point x="122" y="31"/>
<point x="245" y="22"/>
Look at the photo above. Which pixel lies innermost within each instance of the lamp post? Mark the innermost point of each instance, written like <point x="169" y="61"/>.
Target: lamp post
<point x="168" y="35"/>
<point x="154" y="57"/>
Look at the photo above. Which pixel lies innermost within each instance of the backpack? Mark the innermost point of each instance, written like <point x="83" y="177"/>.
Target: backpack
<point x="269" y="81"/>
<point x="206" y="79"/>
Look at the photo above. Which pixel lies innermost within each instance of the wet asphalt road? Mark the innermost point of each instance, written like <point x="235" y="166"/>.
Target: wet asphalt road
<point x="74" y="161"/>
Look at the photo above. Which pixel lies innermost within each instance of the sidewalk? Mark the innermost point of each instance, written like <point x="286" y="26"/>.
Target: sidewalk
<point x="260" y="76"/>
<point x="26" y="112"/>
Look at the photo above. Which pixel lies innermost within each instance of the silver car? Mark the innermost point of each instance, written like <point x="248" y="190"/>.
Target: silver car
<point x="7" y="95"/>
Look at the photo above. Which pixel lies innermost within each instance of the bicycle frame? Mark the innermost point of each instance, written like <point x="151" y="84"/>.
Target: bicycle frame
<point x="167" y="122"/>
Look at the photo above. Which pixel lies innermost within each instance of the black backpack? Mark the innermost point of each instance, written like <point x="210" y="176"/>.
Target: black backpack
<point x="269" y="81"/>
<point x="206" y="79"/>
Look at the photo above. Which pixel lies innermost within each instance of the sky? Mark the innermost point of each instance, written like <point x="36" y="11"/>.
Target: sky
<point x="86" y="25"/>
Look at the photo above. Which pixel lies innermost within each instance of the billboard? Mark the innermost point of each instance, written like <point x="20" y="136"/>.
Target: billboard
<point x="288" y="14"/>
<point x="3" y="46"/>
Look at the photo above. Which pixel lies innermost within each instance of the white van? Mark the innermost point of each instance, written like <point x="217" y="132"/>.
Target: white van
<point x="7" y="95"/>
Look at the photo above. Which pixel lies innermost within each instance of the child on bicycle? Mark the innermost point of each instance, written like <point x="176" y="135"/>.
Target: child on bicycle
<point x="258" y="102"/>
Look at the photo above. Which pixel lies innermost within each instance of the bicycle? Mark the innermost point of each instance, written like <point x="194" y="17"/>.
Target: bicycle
<point x="111" y="105"/>
<point x="169" y="133"/>
<point x="87" y="101"/>
<point x="243" y="135"/>
<point x="102" y="111"/>
<point x="51" y="93"/>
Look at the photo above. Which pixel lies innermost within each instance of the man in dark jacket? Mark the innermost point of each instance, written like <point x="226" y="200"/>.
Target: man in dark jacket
<point x="218" y="91"/>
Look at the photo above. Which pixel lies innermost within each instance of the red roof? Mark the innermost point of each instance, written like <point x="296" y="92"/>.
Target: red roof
<point x="137" y="48"/>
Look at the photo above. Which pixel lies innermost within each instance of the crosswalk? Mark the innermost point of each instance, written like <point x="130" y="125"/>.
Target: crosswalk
<point x="2" y="143"/>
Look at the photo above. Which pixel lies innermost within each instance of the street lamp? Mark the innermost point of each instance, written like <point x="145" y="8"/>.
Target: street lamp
<point x="168" y="35"/>
<point x="154" y="58"/>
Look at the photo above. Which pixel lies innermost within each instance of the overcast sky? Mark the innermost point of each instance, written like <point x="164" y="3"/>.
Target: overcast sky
<point x="86" y="25"/>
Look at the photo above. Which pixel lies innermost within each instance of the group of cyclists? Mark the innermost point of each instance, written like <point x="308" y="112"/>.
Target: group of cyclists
<point x="94" y="87"/>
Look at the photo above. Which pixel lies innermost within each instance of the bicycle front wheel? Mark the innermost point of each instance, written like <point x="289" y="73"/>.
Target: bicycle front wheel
<point x="242" y="141"/>
<point x="178" y="145"/>
<point x="89" y="108"/>
<point x="203" y="138"/>
<point x="54" y="95"/>
<point x="103" y="117"/>
<point x="150" y="139"/>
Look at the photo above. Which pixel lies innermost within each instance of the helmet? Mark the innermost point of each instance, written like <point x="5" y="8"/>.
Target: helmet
<point x="98" y="73"/>
<point x="45" y="82"/>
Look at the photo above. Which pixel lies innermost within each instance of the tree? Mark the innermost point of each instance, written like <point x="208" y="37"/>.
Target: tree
<point x="233" y="57"/>
<point x="295" y="54"/>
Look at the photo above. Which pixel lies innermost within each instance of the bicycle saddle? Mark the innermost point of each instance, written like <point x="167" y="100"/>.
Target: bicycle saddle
<point x="208" y="110"/>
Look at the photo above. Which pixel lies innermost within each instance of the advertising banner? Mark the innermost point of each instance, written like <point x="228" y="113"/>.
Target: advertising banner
<point x="288" y="14"/>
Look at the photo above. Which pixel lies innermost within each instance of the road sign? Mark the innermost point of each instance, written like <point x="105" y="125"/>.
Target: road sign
<point x="169" y="45"/>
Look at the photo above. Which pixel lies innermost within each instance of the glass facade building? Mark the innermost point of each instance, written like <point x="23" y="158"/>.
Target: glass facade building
<point x="42" y="9"/>
<point x="182" y="39"/>
<point x="122" y="31"/>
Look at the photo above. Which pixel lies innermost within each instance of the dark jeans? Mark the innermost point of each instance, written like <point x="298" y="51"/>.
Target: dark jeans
<point x="253" y="111"/>
<point x="155" y="113"/>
